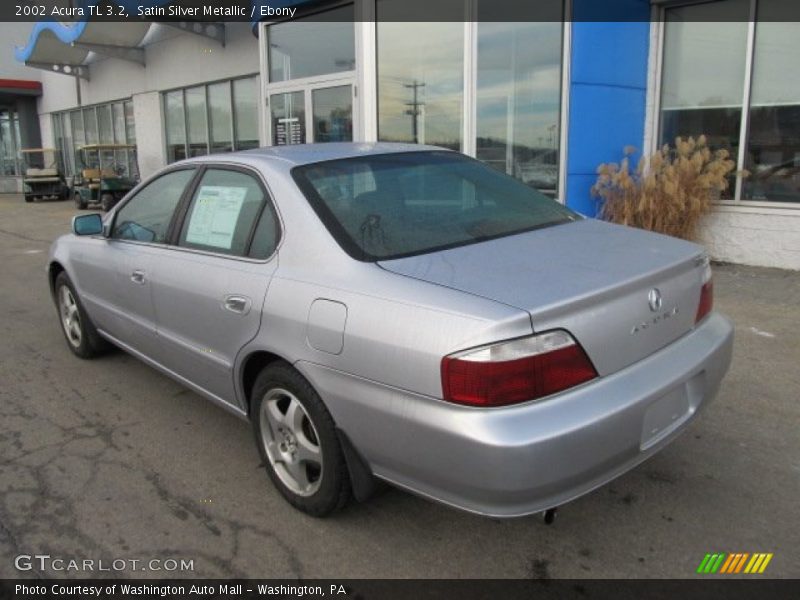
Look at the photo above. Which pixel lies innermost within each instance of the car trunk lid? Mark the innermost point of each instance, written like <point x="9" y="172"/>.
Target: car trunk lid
<point x="623" y="293"/>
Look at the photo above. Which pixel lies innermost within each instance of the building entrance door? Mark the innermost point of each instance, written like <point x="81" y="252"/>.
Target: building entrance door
<point x="313" y="113"/>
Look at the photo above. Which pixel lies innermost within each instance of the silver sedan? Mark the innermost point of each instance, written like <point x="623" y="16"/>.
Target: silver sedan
<point x="401" y="313"/>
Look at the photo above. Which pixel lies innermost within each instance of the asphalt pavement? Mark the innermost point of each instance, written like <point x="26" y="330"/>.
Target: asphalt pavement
<point x="109" y="460"/>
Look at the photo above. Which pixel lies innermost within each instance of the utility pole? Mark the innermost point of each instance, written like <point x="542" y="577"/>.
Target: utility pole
<point x="415" y="106"/>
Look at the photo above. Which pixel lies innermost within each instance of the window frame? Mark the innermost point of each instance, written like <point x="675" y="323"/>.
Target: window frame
<point x="653" y="120"/>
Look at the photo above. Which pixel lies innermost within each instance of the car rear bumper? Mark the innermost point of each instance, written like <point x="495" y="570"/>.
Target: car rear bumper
<point x="519" y="460"/>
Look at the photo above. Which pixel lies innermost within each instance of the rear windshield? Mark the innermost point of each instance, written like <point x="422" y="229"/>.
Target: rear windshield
<point x="386" y="206"/>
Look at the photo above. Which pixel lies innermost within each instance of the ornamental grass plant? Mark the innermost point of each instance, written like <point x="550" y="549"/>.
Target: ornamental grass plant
<point x="668" y="192"/>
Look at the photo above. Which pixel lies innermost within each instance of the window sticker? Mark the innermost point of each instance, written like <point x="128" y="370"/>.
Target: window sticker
<point x="215" y="214"/>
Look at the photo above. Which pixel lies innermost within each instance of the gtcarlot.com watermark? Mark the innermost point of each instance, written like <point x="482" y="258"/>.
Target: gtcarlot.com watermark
<point x="45" y="562"/>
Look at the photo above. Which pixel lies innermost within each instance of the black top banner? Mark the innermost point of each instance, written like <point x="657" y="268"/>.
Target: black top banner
<point x="253" y="11"/>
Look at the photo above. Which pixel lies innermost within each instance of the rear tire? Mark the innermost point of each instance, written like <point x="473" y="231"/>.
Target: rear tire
<point x="297" y="440"/>
<point x="80" y="203"/>
<point x="107" y="202"/>
<point x="28" y="198"/>
<point x="79" y="331"/>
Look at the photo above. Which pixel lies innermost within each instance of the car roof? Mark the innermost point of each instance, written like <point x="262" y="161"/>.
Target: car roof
<point x="302" y="154"/>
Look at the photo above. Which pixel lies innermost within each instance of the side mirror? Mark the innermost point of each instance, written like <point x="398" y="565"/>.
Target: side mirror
<point x="87" y="224"/>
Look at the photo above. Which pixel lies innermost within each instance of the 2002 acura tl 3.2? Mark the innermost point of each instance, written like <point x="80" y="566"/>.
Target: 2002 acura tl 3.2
<point x="402" y="313"/>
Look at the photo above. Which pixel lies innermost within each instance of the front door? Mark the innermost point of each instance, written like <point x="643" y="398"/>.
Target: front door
<point x="120" y="268"/>
<point x="313" y="113"/>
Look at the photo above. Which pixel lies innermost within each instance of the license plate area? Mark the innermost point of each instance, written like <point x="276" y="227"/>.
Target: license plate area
<point x="664" y="416"/>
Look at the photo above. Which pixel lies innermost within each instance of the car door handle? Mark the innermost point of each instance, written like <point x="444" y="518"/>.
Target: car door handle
<point x="138" y="276"/>
<point x="237" y="304"/>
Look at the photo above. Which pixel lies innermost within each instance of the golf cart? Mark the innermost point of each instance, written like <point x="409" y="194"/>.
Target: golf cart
<point x="42" y="178"/>
<point x="107" y="173"/>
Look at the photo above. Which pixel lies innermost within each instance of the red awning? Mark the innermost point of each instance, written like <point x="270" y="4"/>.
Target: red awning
<point x="21" y="86"/>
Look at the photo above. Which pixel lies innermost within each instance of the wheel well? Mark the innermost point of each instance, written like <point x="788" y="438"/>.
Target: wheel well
<point x="253" y="365"/>
<point x="52" y="272"/>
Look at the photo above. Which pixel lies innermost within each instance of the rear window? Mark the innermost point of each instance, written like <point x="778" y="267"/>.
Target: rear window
<point x="388" y="206"/>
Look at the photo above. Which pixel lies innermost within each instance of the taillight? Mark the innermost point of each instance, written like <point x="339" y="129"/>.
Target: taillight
<point x="515" y="371"/>
<point x="706" y="294"/>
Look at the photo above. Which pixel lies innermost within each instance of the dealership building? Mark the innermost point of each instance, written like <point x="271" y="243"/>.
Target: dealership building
<point x="544" y="101"/>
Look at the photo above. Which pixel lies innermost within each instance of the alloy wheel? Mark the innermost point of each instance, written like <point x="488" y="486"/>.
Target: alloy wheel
<point x="70" y="316"/>
<point x="291" y="442"/>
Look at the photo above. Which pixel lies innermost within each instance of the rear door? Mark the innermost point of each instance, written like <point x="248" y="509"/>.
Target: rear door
<point x="210" y="287"/>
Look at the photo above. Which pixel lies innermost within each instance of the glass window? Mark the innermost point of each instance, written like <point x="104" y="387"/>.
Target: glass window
<point x="223" y="212"/>
<point x="105" y="124"/>
<point x="773" y="145"/>
<point x="118" y="113"/>
<point x="9" y="143"/>
<point x="176" y="126"/>
<point x="333" y="114"/>
<point x="267" y="234"/>
<point x="418" y="202"/>
<point x="196" y="121"/>
<point x="130" y="124"/>
<point x="245" y="108"/>
<point x="519" y="100"/>
<point x="110" y="123"/>
<point x="90" y="123"/>
<point x="305" y="47"/>
<point x="706" y="55"/>
<point x="147" y="215"/>
<point x="420" y="77"/>
<point x="69" y="144"/>
<point x="58" y="137"/>
<point x="219" y="116"/>
<point x="702" y="88"/>
<point x="122" y="158"/>
<point x="78" y="132"/>
<point x="288" y="118"/>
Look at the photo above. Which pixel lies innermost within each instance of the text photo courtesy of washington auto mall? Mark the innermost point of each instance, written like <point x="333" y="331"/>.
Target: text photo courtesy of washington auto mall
<point x="377" y="299"/>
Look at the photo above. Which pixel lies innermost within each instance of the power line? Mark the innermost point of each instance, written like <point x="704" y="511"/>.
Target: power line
<point x="415" y="105"/>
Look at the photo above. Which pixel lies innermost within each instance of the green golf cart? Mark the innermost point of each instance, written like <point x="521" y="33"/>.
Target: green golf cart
<point x="42" y="176"/>
<point x="107" y="172"/>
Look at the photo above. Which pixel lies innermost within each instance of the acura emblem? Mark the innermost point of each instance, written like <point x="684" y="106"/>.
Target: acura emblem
<point x="654" y="299"/>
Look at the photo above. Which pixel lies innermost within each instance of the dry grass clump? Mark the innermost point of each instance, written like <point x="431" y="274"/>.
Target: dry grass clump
<point x="667" y="193"/>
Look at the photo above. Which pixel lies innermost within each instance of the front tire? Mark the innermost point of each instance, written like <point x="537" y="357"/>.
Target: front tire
<point x="79" y="331"/>
<point x="297" y="440"/>
<point x="80" y="203"/>
<point x="28" y="198"/>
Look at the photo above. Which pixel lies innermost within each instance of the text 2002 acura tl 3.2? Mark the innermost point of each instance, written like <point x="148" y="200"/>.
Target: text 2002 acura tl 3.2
<point x="402" y="313"/>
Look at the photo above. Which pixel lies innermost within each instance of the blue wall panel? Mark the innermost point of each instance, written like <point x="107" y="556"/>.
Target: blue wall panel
<point x="603" y="120"/>
<point x="608" y="87"/>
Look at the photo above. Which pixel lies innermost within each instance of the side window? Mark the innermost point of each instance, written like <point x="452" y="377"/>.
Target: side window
<point x="147" y="215"/>
<point x="267" y="234"/>
<point x="223" y="212"/>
